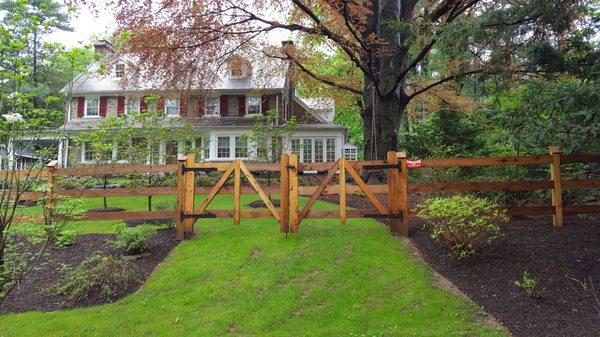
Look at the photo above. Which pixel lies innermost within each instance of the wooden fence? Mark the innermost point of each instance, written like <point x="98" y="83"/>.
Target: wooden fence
<point x="290" y="216"/>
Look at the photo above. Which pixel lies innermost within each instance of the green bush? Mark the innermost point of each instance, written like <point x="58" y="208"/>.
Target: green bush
<point x="464" y="222"/>
<point x="134" y="239"/>
<point x="65" y="239"/>
<point x="166" y="206"/>
<point x="96" y="274"/>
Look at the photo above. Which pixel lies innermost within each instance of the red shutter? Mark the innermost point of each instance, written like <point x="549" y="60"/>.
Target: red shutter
<point x="182" y="107"/>
<point x="120" y="105"/>
<point x="224" y="106"/>
<point x="201" y="107"/>
<point x="143" y="104"/>
<point x="242" y="105"/>
<point x="80" y="106"/>
<point x="264" y="106"/>
<point x="103" y="104"/>
<point x="160" y="106"/>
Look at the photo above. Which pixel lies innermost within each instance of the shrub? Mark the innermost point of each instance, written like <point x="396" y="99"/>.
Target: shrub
<point x="166" y="206"/>
<point x="464" y="222"/>
<point x="65" y="239"/>
<point x="134" y="239"/>
<point x="96" y="274"/>
<point x="528" y="284"/>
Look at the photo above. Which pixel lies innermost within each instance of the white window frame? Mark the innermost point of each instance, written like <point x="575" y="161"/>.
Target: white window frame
<point x="242" y="138"/>
<point x="312" y="149"/>
<point x="117" y="70"/>
<point x="172" y="103"/>
<point x="85" y="110"/>
<point x="229" y="154"/>
<point x="217" y="110"/>
<point x="129" y="100"/>
<point x="248" y="106"/>
<point x="353" y="155"/>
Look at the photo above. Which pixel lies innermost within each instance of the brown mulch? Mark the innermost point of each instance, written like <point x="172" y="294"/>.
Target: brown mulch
<point x="261" y="204"/>
<point x="33" y="293"/>
<point x="564" y="261"/>
<point x="107" y="209"/>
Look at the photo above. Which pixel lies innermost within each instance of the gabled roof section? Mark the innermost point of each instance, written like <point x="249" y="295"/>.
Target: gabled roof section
<point x="321" y="109"/>
<point x="266" y="74"/>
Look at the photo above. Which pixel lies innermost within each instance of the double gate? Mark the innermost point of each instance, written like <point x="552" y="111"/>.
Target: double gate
<point x="289" y="215"/>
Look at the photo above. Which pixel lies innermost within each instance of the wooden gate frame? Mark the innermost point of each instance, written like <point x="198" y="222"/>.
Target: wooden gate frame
<point x="187" y="215"/>
<point x="288" y="215"/>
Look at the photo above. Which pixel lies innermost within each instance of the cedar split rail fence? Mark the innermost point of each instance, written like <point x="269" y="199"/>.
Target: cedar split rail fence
<point x="290" y="215"/>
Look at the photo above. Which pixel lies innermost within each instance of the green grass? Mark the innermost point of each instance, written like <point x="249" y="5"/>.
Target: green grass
<point x="250" y="280"/>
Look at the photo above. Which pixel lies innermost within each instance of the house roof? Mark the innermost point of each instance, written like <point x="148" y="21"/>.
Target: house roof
<point x="266" y="74"/>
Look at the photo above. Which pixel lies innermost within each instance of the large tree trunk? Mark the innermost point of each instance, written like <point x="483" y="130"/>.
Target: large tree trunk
<point x="384" y="96"/>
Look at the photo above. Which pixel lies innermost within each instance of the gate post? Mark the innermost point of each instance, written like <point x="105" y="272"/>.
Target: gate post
<point x="557" y="202"/>
<point x="179" y="225"/>
<point x="293" y="191"/>
<point x="394" y="191"/>
<point x="284" y="194"/>
<point x="403" y="194"/>
<point x="190" y="190"/>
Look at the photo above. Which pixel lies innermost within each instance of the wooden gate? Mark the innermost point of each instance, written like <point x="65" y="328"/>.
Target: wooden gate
<point x="288" y="214"/>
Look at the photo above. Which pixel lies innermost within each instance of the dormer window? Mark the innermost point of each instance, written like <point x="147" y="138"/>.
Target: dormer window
<point x="120" y="70"/>
<point x="172" y="107"/>
<point x="253" y="105"/>
<point x="239" y="68"/>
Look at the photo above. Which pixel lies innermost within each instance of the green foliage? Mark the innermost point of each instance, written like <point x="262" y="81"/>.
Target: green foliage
<point x="65" y="239"/>
<point x="63" y="211"/>
<point x="134" y="239"/>
<point x="444" y="133"/>
<point x="268" y="134"/>
<point x="466" y="223"/>
<point x="528" y="284"/>
<point x="103" y="275"/>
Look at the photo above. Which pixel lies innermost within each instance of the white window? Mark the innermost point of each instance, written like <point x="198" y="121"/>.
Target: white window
<point x="330" y="149"/>
<point x="211" y="107"/>
<point x="307" y="151"/>
<point x="296" y="146"/>
<point x="253" y="105"/>
<point x="318" y="150"/>
<point x="92" y="107"/>
<point x="241" y="147"/>
<point x="120" y="70"/>
<point x="133" y="106"/>
<point x="172" y="107"/>
<point x="206" y="149"/>
<point x="223" y="147"/>
<point x="351" y="154"/>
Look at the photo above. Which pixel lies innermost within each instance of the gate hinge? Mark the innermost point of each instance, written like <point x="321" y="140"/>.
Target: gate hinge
<point x="383" y="167"/>
<point x="185" y="169"/>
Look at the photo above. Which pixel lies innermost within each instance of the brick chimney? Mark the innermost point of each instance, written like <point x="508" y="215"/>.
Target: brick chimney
<point x="102" y="47"/>
<point x="287" y="48"/>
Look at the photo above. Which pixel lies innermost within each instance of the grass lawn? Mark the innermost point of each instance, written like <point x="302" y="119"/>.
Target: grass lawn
<point x="249" y="280"/>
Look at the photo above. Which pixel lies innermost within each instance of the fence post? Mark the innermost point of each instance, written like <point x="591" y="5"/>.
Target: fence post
<point x="394" y="191"/>
<point x="179" y="224"/>
<point x="293" y="191"/>
<point x="403" y="194"/>
<point x="557" y="202"/>
<point x="236" y="192"/>
<point x="342" y="191"/>
<point x="284" y="193"/>
<point x="51" y="178"/>
<point x="190" y="190"/>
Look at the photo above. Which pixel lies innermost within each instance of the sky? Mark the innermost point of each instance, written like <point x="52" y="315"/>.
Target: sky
<point x="87" y="26"/>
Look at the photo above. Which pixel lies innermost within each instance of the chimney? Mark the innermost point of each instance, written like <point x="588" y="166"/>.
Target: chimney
<point x="287" y="47"/>
<point x="102" y="47"/>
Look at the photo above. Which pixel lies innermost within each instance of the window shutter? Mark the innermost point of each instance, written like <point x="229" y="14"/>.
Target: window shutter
<point x="264" y="106"/>
<point x="242" y="105"/>
<point x="182" y="107"/>
<point x="201" y="107"/>
<point x="160" y="106"/>
<point x="103" y="104"/>
<point x="143" y="104"/>
<point x="120" y="105"/>
<point x="80" y="106"/>
<point x="224" y="106"/>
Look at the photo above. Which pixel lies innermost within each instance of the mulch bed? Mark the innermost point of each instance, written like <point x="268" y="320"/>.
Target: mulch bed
<point x="564" y="261"/>
<point x="107" y="209"/>
<point x="33" y="292"/>
<point x="261" y="204"/>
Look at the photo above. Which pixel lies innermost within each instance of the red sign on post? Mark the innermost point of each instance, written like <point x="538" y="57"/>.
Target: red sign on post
<point x="414" y="163"/>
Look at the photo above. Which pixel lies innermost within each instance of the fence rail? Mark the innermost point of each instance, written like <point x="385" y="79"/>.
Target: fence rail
<point x="348" y="182"/>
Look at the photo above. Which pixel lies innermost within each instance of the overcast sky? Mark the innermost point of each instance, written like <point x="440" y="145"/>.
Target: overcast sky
<point x="87" y="26"/>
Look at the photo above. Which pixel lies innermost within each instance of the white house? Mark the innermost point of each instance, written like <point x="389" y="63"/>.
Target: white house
<point x="219" y="114"/>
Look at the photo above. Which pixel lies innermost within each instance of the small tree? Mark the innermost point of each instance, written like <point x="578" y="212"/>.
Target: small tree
<point x="269" y="134"/>
<point x="136" y="137"/>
